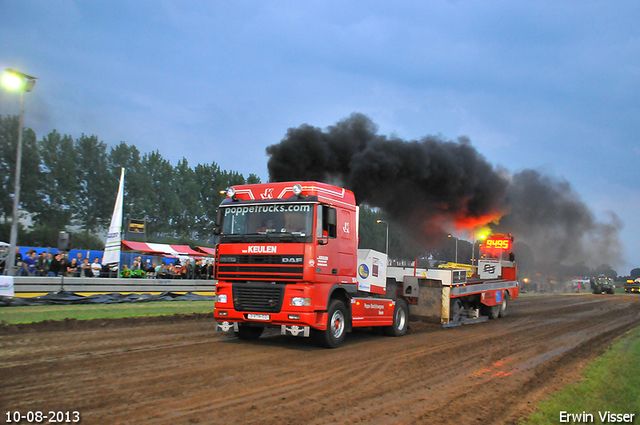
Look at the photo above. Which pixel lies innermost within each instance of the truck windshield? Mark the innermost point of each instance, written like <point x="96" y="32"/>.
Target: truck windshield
<point x="268" y="223"/>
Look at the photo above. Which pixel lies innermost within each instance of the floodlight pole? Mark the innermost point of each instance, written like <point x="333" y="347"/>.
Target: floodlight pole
<point x="451" y="236"/>
<point x="387" y="241"/>
<point x="13" y="240"/>
<point x="27" y="85"/>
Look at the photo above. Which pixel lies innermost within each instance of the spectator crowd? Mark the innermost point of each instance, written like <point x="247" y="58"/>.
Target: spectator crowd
<point x="59" y="264"/>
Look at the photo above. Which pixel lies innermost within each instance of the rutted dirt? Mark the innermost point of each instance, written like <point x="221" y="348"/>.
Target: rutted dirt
<point x="178" y="371"/>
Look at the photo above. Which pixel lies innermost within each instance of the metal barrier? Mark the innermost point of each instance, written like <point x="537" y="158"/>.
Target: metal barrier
<point x="25" y="285"/>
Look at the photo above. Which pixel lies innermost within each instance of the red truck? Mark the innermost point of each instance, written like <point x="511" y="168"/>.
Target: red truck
<point x="288" y="258"/>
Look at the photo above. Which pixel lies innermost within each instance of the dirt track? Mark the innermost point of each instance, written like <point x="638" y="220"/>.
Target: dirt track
<point x="178" y="371"/>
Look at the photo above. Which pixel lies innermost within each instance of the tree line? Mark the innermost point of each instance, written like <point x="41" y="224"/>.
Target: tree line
<point x="73" y="182"/>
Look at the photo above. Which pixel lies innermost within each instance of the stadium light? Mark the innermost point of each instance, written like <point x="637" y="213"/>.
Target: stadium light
<point x="14" y="80"/>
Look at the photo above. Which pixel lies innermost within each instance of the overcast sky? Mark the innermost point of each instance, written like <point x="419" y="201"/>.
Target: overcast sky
<point x="548" y="85"/>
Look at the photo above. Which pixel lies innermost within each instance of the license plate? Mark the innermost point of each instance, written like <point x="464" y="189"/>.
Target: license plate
<point x="258" y="316"/>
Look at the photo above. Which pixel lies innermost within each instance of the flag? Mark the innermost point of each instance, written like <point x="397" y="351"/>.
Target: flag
<point x="112" y="247"/>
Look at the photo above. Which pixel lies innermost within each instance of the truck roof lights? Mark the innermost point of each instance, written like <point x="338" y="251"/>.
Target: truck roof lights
<point x="297" y="189"/>
<point x="231" y="193"/>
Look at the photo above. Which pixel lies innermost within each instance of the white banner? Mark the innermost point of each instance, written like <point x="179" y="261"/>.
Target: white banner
<point x="6" y="286"/>
<point x="112" y="247"/>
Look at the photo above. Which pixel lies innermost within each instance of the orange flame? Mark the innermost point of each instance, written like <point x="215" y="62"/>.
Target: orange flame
<point x="471" y="223"/>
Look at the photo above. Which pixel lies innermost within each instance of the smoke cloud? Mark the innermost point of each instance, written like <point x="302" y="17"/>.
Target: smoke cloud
<point x="432" y="186"/>
<point x="550" y="217"/>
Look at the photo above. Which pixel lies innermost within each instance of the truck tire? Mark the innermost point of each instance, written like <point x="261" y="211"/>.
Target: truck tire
<point x="612" y="290"/>
<point x="247" y="332"/>
<point x="597" y="290"/>
<point x="492" y="311"/>
<point x="504" y="307"/>
<point x="400" y="320"/>
<point x="336" y="330"/>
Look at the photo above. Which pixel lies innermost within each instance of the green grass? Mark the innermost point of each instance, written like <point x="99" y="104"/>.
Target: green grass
<point x="29" y="314"/>
<point x="612" y="382"/>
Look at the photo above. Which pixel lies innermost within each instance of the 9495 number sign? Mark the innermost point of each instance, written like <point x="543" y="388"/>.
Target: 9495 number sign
<point x="37" y="417"/>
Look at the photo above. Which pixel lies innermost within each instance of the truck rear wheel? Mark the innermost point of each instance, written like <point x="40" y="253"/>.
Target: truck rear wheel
<point x="492" y="311"/>
<point x="504" y="307"/>
<point x="336" y="330"/>
<point x="249" y="332"/>
<point x="400" y="320"/>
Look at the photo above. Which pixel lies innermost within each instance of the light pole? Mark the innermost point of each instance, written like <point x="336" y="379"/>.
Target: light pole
<point x="473" y="248"/>
<point x="451" y="236"/>
<point x="387" y="248"/>
<point x="15" y="80"/>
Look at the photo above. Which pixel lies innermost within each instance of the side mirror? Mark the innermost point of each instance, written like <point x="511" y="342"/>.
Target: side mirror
<point x="218" y="223"/>
<point x="329" y="222"/>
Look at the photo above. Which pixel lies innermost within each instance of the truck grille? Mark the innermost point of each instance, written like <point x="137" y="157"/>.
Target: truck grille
<point x="261" y="267"/>
<point x="258" y="296"/>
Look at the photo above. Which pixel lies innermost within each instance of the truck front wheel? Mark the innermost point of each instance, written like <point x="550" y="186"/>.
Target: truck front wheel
<point x="336" y="330"/>
<point x="400" y="320"/>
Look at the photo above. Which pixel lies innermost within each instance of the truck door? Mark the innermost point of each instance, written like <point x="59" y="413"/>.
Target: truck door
<point x="327" y="248"/>
<point x="347" y="246"/>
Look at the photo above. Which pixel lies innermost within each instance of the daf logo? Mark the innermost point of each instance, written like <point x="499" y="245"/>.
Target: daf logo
<point x="291" y="260"/>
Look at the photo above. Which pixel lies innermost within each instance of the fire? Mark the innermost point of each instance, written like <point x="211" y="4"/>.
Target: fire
<point x="475" y="223"/>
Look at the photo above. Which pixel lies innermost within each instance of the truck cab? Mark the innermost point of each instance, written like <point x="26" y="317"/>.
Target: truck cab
<point x="285" y="250"/>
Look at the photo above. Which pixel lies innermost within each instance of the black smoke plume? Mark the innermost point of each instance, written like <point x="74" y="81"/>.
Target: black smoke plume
<point x="432" y="186"/>
<point x="551" y="218"/>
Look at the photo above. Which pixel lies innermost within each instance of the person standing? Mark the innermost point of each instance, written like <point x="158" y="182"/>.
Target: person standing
<point x="72" y="268"/>
<point x="40" y="264"/>
<point x="64" y="263"/>
<point x="47" y="263"/>
<point x="19" y="264"/>
<point x="86" y="268"/>
<point x="160" y="271"/>
<point x="170" y="271"/>
<point x="209" y="269"/>
<point x="55" y="265"/>
<point x="96" y="267"/>
<point x="30" y="262"/>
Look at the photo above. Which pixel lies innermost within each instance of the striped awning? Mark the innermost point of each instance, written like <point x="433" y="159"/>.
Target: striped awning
<point x="207" y="251"/>
<point x="160" y="249"/>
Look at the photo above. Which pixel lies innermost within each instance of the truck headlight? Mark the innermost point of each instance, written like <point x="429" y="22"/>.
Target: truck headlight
<point x="222" y="298"/>
<point x="300" y="302"/>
